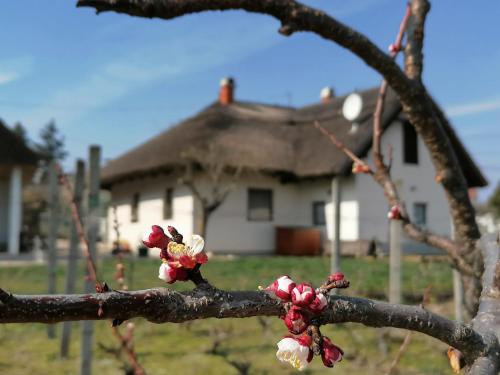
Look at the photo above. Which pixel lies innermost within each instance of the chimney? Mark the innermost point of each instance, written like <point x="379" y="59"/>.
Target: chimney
<point x="326" y="94"/>
<point x="226" y="93"/>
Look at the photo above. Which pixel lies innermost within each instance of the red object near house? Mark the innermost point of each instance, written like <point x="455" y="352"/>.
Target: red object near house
<point x="298" y="241"/>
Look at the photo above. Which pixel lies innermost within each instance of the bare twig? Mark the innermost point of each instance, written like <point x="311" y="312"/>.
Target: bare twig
<point x="342" y="147"/>
<point x="379" y="108"/>
<point x="75" y="215"/>
<point x="401" y="350"/>
<point x="407" y="339"/>
<point x="91" y="267"/>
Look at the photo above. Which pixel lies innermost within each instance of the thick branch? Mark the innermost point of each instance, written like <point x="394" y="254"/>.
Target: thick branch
<point x="487" y="320"/>
<point x="162" y="305"/>
<point x="414" y="59"/>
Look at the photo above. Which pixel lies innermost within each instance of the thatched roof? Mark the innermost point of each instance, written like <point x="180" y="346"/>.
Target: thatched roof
<point x="268" y="138"/>
<point x="13" y="150"/>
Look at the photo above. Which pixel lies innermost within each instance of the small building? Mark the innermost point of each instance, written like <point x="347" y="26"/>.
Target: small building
<point x="17" y="165"/>
<point x="287" y="169"/>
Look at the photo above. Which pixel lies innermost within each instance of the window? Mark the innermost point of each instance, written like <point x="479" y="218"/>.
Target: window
<point x="420" y="214"/>
<point x="134" y="208"/>
<point x="168" y="204"/>
<point x="260" y="204"/>
<point x="319" y="217"/>
<point x="410" y="144"/>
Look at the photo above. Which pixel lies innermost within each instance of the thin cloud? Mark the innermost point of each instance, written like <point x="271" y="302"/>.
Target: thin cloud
<point x="157" y="61"/>
<point x="6" y="77"/>
<point x="14" y="68"/>
<point x="473" y="108"/>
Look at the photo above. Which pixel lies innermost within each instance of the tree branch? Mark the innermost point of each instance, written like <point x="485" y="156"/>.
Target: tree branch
<point x="348" y="152"/>
<point x="487" y="320"/>
<point x="161" y="305"/>
<point x="414" y="59"/>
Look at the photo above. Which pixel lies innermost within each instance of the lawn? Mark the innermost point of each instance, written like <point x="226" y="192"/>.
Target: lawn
<point x="189" y="347"/>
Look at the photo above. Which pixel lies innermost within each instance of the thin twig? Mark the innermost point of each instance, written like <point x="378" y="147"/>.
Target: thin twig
<point x="75" y="215"/>
<point x="91" y="267"/>
<point x="401" y="350"/>
<point x="125" y="341"/>
<point x="342" y="147"/>
<point x="406" y="341"/>
<point x="379" y="108"/>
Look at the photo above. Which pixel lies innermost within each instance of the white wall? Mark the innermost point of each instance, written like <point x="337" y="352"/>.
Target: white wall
<point x="152" y="191"/>
<point x="229" y="230"/>
<point x="416" y="184"/>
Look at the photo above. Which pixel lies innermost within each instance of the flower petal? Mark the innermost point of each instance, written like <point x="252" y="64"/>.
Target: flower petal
<point x="196" y="244"/>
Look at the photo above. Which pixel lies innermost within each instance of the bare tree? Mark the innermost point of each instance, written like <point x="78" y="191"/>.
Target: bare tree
<point x="478" y="264"/>
<point x="216" y="182"/>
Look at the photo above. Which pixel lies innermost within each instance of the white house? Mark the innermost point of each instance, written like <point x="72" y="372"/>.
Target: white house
<point x="17" y="165"/>
<point x="287" y="171"/>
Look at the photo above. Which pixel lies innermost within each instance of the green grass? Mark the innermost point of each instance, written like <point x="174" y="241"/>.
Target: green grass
<point x="171" y="348"/>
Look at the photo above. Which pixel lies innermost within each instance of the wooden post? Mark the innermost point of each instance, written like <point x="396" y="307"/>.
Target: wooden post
<point x="92" y="233"/>
<point x="52" y="236"/>
<point x="73" y="253"/>
<point x="336" y="202"/>
<point x="395" y="262"/>
<point x="15" y="212"/>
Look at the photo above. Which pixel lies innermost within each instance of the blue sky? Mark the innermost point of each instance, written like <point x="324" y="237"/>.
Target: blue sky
<point x="115" y="80"/>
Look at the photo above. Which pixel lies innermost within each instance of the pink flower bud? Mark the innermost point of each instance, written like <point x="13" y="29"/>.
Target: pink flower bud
<point x="319" y="303"/>
<point x="172" y="274"/>
<point x="282" y="288"/>
<point x="330" y="353"/>
<point x="394" y="213"/>
<point x="157" y="238"/>
<point x="296" y="320"/>
<point x="303" y="294"/>
<point x="393" y="48"/>
<point x="360" y="168"/>
<point x="336" y="276"/>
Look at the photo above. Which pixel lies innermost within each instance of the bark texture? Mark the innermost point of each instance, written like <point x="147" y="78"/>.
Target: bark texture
<point x="161" y="305"/>
<point x="487" y="320"/>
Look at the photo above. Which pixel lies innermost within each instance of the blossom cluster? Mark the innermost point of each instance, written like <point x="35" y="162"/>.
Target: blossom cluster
<point x="304" y="303"/>
<point x="177" y="257"/>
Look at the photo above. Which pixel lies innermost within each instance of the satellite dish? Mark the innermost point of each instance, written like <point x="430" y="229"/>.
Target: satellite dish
<point x="352" y="106"/>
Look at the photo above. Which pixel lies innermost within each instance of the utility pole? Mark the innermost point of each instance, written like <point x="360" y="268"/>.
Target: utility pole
<point x="92" y="233"/>
<point x="73" y="252"/>
<point x="52" y="236"/>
